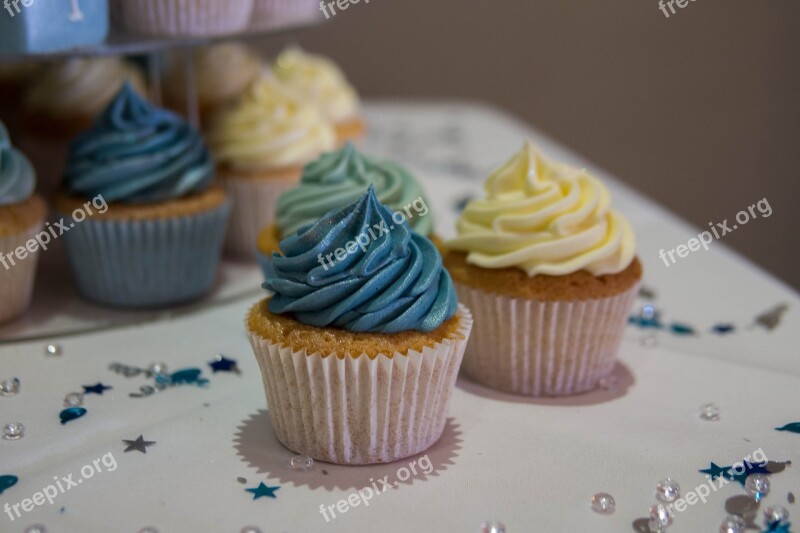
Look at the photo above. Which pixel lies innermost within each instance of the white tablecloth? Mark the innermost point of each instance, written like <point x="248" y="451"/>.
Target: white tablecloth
<point x="531" y="464"/>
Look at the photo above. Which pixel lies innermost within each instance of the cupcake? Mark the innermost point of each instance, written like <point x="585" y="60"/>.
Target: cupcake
<point x="22" y="216"/>
<point x="320" y="82"/>
<point x="280" y="13"/>
<point x="183" y="17"/>
<point x="64" y="101"/>
<point x="336" y="180"/>
<point x="261" y="145"/>
<point x="222" y="73"/>
<point x="361" y="343"/>
<point x="549" y="269"/>
<point x="156" y="232"/>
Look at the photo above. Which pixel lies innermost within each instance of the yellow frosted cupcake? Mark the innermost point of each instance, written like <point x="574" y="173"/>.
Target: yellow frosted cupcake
<point x="361" y="343"/>
<point x="549" y="270"/>
<point x="222" y="73"/>
<point x="319" y="81"/>
<point x="64" y="101"/>
<point x="22" y="216"/>
<point x="261" y="145"/>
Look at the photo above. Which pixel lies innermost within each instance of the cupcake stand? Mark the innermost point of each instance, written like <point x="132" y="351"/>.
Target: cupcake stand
<point x="711" y="329"/>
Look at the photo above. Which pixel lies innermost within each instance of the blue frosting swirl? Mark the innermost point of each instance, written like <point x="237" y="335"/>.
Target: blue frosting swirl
<point x="138" y="153"/>
<point x="17" y="177"/>
<point x="389" y="280"/>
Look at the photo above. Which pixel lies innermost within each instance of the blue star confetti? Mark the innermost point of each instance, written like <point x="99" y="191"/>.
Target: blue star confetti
<point x="6" y="482"/>
<point x="723" y="329"/>
<point x="794" y="427"/>
<point x="95" y="389"/>
<point x="716" y="471"/>
<point x="263" y="491"/>
<point x="71" y="413"/>
<point x="223" y="364"/>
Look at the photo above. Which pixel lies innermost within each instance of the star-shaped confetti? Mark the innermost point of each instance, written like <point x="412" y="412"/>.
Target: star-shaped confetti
<point x="223" y="364"/>
<point x="139" y="444"/>
<point x="95" y="389"/>
<point x="722" y="329"/>
<point x="716" y="471"/>
<point x="263" y="490"/>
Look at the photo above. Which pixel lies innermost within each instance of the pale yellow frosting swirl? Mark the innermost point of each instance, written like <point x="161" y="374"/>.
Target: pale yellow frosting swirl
<point x="221" y="73"/>
<point x="269" y="127"/>
<point x="544" y="218"/>
<point x="318" y="81"/>
<point x="82" y="87"/>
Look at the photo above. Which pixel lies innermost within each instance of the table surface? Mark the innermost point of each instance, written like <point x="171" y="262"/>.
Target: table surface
<point x="532" y="464"/>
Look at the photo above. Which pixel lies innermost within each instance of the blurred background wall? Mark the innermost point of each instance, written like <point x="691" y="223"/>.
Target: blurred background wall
<point x="699" y="110"/>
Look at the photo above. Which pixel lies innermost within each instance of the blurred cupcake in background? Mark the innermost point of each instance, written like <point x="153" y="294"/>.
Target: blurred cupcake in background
<point x="261" y="145"/>
<point x="222" y="73"/>
<point x="320" y="82"/>
<point x="22" y="216"/>
<point x="63" y="101"/>
<point x="550" y="271"/>
<point x="336" y="180"/>
<point x="275" y="13"/>
<point x="183" y="17"/>
<point x="152" y="224"/>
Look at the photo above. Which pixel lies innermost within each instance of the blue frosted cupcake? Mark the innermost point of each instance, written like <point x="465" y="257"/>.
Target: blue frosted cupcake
<point x="148" y="225"/>
<point x="361" y="343"/>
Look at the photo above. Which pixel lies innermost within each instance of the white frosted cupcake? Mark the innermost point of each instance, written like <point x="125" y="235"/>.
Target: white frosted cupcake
<point x="549" y="269"/>
<point x="320" y="82"/>
<point x="359" y="350"/>
<point x="22" y="216"/>
<point x="222" y="73"/>
<point x="261" y="145"/>
<point x="64" y="101"/>
<point x="184" y="17"/>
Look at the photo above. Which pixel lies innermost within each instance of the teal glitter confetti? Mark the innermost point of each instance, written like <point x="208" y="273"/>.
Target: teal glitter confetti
<point x="263" y="491"/>
<point x="6" y="482"/>
<point x="71" y="413"/>
<point x="646" y="322"/>
<point x="777" y="527"/>
<point x="681" y="329"/>
<point x="794" y="427"/>
<point x="185" y="376"/>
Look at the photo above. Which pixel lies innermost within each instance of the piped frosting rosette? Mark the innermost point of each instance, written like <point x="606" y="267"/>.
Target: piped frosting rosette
<point x="339" y="178"/>
<point x="138" y="153"/>
<point x="544" y="218"/>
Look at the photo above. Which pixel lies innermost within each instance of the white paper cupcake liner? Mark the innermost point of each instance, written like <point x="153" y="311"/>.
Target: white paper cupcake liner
<point x="16" y="282"/>
<point x="272" y="13"/>
<point x="254" y="208"/>
<point x="357" y="410"/>
<point x="184" y="17"/>
<point x="538" y="348"/>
